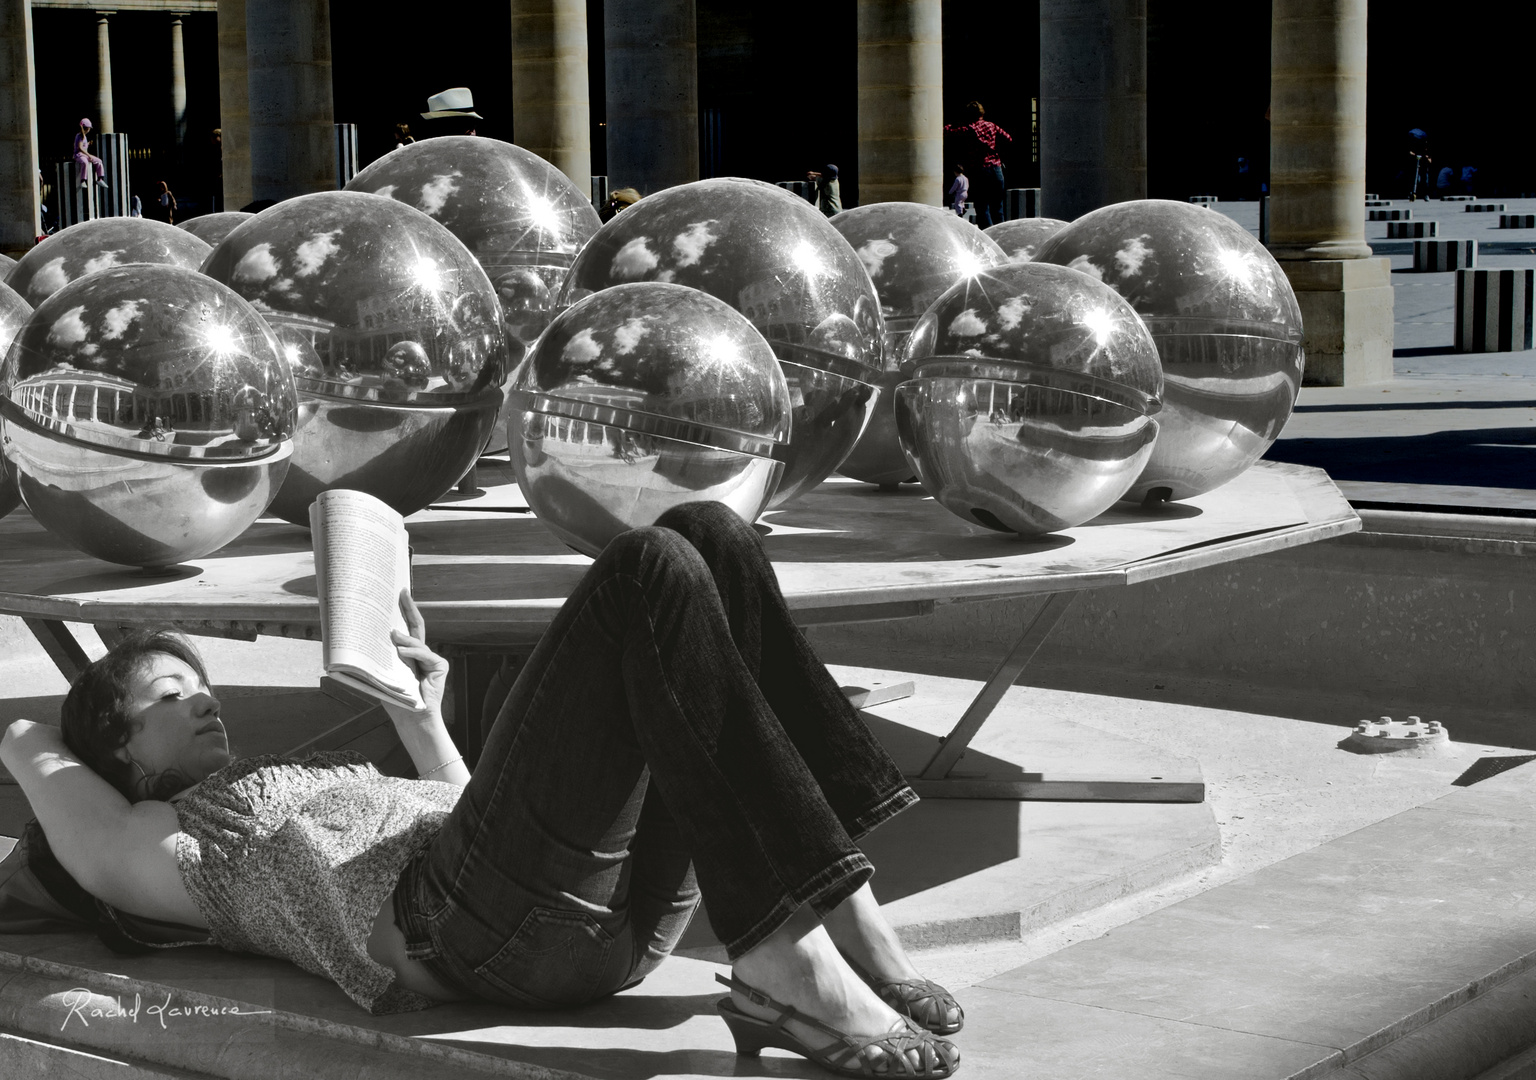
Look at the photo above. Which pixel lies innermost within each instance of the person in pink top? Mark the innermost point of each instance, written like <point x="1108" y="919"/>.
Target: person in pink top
<point x="87" y="161"/>
<point x="988" y="195"/>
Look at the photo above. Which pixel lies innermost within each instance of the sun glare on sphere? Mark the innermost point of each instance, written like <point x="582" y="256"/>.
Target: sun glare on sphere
<point x="1236" y="264"/>
<point x="427" y="275"/>
<point x="968" y="265"/>
<point x="1100" y="323"/>
<point x="806" y="259"/>
<point x="721" y="352"/>
<point x="543" y="213"/>
<point x="220" y="338"/>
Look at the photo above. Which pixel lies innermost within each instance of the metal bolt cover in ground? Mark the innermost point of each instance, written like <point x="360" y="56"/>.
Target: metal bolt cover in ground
<point x="1385" y="736"/>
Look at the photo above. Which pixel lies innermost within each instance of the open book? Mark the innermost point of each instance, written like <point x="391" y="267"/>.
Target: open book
<point x="362" y="562"/>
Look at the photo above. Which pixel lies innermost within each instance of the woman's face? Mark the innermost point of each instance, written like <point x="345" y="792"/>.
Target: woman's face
<point x="175" y="721"/>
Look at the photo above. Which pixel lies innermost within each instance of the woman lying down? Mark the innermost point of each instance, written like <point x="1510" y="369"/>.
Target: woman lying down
<point x="672" y="736"/>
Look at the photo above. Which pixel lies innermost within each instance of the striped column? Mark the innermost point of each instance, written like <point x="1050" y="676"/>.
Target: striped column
<point x="1517" y="221"/>
<point x="1438" y="256"/>
<point x="1389" y="215"/>
<point x="112" y="148"/>
<point x="1378" y="202"/>
<point x="1457" y="198"/>
<point x="1493" y="309"/>
<point x="1411" y="230"/>
<point x="1204" y="200"/>
<point x="74" y="202"/>
<point x="1021" y="202"/>
<point x="346" y="154"/>
<point x="1484" y="208"/>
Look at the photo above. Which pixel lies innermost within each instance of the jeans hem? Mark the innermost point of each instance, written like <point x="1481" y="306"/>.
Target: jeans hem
<point x="841" y="878"/>
<point x="867" y="822"/>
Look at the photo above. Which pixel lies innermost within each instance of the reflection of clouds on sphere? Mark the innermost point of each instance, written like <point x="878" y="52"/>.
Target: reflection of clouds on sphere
<point x="773" y="257"/>
<point x="640" y="398"/>
<point x="521" y="217"/>
<point x="14" y="311"/>
<point x="1226" y="323"/>
<point x="913" y="253"/>
<point x="1022" y="237"/>
<point x="148" y="414"/>
<point x="100" y="244"/>
<point x="1031" y="402"/>
<point x="394" y="336"/>
<point x="211" y="229"/>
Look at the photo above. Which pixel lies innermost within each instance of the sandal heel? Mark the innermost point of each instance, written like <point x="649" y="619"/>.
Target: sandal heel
<point x="751" y="1037"/>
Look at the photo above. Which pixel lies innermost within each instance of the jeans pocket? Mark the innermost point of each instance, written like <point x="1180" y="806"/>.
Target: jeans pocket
<point x="556" y="959"/>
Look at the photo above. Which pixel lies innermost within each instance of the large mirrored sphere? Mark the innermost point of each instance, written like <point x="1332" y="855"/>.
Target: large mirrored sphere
<point x="211" y="229"/>
<point x="96" y="245"/>
<point x="14" y="312"/>
<point x="523" y="219"/>
<point x="913" y="253"/>
<point x="148" y="414"/>
<point x="1226" y="323"/>
<point x="6" y="262"/>
<point x="640" y="398"/>
<point x="773" y="257"/>
<point x="395" y="339"/>
<point x="1031" y="405"/>
<point x="1022" y="237"/>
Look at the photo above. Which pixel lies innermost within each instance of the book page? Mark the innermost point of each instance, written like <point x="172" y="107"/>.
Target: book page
<point x="361" y="565"/>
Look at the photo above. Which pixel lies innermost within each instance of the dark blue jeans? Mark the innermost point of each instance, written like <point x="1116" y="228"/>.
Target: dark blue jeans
<point x="672" y="734"/>
<point x="988" y="196"/>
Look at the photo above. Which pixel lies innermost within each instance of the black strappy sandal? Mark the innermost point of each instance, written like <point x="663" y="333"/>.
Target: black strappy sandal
<point x="923" y="1000"/>
<point x="846" y="1056"/>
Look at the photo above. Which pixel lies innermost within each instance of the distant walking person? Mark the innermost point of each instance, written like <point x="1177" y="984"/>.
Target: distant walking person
<point x="828" y="199"/>
<point x="988" y="192"/>
<point x="959" y="189"/>
<point x="162" y="204"/>
<point x="86" y="161"/>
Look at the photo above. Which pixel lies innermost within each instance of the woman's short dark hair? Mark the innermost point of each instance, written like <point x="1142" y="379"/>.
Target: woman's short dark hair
<point x="976" y="109"/>
<point x="94" y="718"/>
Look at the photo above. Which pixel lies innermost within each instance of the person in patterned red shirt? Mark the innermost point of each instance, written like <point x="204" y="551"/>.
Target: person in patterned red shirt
<point x="987" y="189"/>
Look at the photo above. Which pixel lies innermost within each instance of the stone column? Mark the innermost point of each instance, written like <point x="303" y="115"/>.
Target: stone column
<point x="178" y="83"/>
<point x="1317" y="190"/>
<point x="1093" y="104"/>
<point x="19" y="222"/>
<point x="293" y="134"/>
<point x="551" y="110"/>
<point x="653" y="94"/>
<point x="901" y="102"/>
<point x="234" y="105"/>
<point x="103" y="74"/>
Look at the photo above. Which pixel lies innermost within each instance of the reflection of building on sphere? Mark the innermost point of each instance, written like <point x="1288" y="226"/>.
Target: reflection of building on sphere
<point x="1226" y="323"/>
<point x="773" y="257"/>
<point x="639" y="398"/>
<point x="1030" y="408"/>
<point x="913" y="253"/>
<point x="394" y="334"/>
<point x="131" y="414"/>
<point x="14" y="312"/>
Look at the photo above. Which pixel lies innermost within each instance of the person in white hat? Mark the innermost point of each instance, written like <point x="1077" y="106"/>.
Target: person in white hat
<point x="456" y="103"/>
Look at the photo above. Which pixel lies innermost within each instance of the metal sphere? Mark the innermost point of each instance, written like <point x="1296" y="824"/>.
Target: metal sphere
<point x="1226" y="323"/>
<point x="1031" y="405"/>
<point x="148" y="414"/>
<point x="395" y="339"/>
<point x="96" y="245"/>
<point x="6" y="263"/>
<point x="913" y="253"/>
<point x="1022" y="237"/>
<point x="521" y="217"/>
<point x="14" y="312"/>
<point x="639" y="398"/>
<point x="211" y="229"/>
<point x="773" y="257"/>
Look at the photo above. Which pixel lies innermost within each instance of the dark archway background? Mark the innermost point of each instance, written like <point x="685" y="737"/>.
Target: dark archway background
<point x="777" y="88"/>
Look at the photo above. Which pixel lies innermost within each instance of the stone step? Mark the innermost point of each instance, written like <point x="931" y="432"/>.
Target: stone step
<point x="1437" y="256"/>
<point x="38" y="1058"/>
